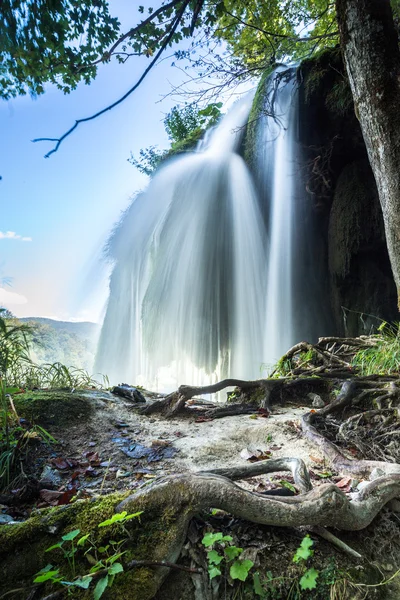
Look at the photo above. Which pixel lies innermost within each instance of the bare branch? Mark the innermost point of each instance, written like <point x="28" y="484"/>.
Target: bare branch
<point x="126" y="95"/>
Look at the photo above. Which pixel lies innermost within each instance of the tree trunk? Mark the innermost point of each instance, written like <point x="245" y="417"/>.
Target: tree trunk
<point x="371" y="54"/>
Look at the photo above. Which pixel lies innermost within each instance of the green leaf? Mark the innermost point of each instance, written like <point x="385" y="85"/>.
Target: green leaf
<point x="288" y="485"/>
<point x="115" y="568"/>
<point x="115" y="557"/>
<point x="84" y="582"/>
<point x="240" y="569"/>
<point x="210" y="538"/>
<point x="213" y="572"/>
<point x="258" y="589"/>
<point x="233" y="552"/>
<point x="59" y="545"/>
<point x="46" y="576"/>
<point x="71" y="535"/>
<point x="324" y="474"/>
<point x="100" y="588"/>
<point x="114" y="519"/>
<point x="214" y="558"/>
<point x="133" y="515"/>
<point x="309" y="579"/>
<point x="304" y="551"/>
<point x="82" y="540"/>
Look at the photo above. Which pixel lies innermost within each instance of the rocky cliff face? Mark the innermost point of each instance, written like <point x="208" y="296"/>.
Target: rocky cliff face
<point x="342" y="190"/>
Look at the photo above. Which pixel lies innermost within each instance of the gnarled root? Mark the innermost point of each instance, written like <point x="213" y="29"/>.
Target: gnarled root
<point x="269" y="391"/>
<point x="338" y="460"/>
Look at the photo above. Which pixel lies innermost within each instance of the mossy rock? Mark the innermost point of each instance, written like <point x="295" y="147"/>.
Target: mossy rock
<point x="256" y="112"/>
<point x="54" y="407"/>
<point x="150" y="537"/>
<point x="324" y="76"/>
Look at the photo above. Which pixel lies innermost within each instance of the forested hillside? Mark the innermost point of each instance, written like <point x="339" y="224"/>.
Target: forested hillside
<point x="70" y="343"/>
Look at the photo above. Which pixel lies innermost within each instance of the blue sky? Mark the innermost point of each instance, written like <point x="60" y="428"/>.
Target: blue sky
<point x="67" y="204"/>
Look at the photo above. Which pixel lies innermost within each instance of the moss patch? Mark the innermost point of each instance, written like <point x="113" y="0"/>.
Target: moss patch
<point x="22" y="546"/>
<point x="323" y="76"/>
<point x="250" y="142"/>
<point x="53" y="407"/>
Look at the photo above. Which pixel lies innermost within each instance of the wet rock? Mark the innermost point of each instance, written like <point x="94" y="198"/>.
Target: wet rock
<point x="126" y="391"/>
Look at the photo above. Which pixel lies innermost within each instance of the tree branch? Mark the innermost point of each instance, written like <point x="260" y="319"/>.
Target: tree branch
<point x="126" y="95"/>
<point x="107" y="55"/>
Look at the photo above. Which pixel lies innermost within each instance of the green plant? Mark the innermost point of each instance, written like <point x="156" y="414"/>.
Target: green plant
<point x="104" y="559"/>
<point x="14" y="352"/>
<point x="308" y="580"/>
<point x="384" y="356"/>
<point x="220" y="550"/>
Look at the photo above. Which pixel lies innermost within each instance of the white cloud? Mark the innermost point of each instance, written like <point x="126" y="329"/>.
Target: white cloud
<point x="11" y="235"/>
<point x="8" y="299"/>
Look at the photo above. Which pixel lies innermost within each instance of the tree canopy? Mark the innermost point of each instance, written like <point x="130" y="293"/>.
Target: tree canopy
<point x="64" y="42"/>
<point x="224" y="42"/>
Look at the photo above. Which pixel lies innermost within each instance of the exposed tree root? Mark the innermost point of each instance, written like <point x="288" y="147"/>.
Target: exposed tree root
<point x="338" y="460"/>
<point x="268" y="392"/>
<point x="296" y="466"/>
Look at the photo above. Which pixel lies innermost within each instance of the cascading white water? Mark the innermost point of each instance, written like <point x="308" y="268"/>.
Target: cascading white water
<point x="278" y="171"/>
<point x="187" y="292"/>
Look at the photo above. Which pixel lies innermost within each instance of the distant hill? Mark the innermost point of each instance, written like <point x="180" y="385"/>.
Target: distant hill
<point x="67" y="342"/>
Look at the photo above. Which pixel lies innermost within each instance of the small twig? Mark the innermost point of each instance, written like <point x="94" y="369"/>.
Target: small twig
<point x="105" y="475"/>
<point x="329" y="537"/>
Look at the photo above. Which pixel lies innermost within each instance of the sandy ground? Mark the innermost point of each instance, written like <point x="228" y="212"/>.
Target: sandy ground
<point x="115" y="426"/>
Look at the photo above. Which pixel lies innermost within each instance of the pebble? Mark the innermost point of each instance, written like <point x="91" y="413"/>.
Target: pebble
<point x="5" y="519"/>
<point x="317" y="401"/>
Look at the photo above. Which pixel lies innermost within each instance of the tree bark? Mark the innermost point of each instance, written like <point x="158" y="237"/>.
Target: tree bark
<point x="371" y="54"/>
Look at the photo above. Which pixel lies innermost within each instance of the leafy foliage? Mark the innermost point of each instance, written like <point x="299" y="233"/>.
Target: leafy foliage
<point x="64" y="42"/>
<point x="104" y="559"/>
<point x="304" y="551"/>
<point x="184" y="126"/>
<point x="225" y="553"/>
<point x="52" y="42"/>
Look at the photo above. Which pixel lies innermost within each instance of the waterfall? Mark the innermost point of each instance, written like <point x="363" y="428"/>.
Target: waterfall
<point x="277" y="168"/>
<point x="210" y="267"/>
<point x="187" y="291"/>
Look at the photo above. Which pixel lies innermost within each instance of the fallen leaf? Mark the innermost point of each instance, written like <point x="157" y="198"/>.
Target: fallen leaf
<point x="317" y="460"/>
<point x="50" y="496"/>
<point x="254" y="455"/>
<point x="67" y="496"/>
<point x="60" y="463"/>
<point x="344" y="484"/>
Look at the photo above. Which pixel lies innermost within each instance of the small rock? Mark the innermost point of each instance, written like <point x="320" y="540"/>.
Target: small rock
<point x="387" y="567"/>
<point x="317" y="401"/>
<point x="5" y="519"/>
<point x="50" y="477"/>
